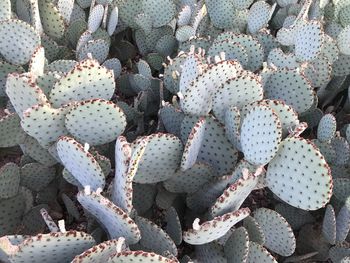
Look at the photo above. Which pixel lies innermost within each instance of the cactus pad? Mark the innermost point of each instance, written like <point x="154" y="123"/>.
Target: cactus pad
<point x="258" y="16"/>
<point x="257" y="253"/>
<point x="197" y="97"/>
<point x="36" y="176"/>
<point x="96" y="121"/>
<point x="190" y="180"/>
<point x="343" y="222"/>
<point x="53" y="247"/>
<point x="82" y="83"/>
<point x="261" y="134"/>
<point x="12" y="210"/>
<point x="11" y="133"/>
<point x="172" y="119"/>
<point x="98" y="253"/>
<point x="161" y="12"/>
<point x="9" y="180"/>
<point x="193" y="145"/>
<point x="308" y="40"/>
<point x="154" y="238"/>
<point x="343" y="40"/>
<point x="326" y="128"/>
<point x="237" y="246"/>
<point x="329" y="225"/>
<point x="111" y="217"/>
<point x="53" y="120"/>
<point x="95" y="18"/>
<point x="216" y="149"/>
<point x="122" y="184"/>
<point x="23" y="92"/>
<point x="19" y="41"/>
<point x="173" y="227"/>
<point x="98" y="49"/>
<point x="232" y="51"/>
<point x="306" y="175"/>
<point x="32" y="148"/>
<point x="80" y="163"/>
<point x="160" y="159"/>
<point x="279" y="236"/>
<point x="238" y="91"/>
<point x="140" y="256"/>
<point x="254" y="230"/>
<point x="233" y="196"/>
<point x="214" y="229"/>
<point x="283" y="81"/>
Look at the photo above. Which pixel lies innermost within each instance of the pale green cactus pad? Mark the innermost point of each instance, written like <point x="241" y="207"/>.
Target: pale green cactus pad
<point x="37" y="62"/>
<point x="295" y="217"/>
<point x="343" y="222"/>
<point x="193" y="145"/>
<point x="238" y="91"/>
<point x="171" y="118"/>
<point x="165" y="199"/>
<point x="95" y="18"/>
<point x="210" y="252"/>
<point x="154" y="238"/>
<point x="115" y="65"/>
<point x="61" y="66"/>
<point x="191" y="68"/>
<point x="19" y="41"/>
<point x="5" y="10"/>
<point x="237" y="246"/>
<point x="221" y="13"/>
<point x="143" y="197"/>
<point x="191" y="180"/>
<point x="23" y="92"/>
<point x="112" y="218"/>
<point x="197" y="97"/>
<point x="342" y="150"/>
<point x="44" y="123"/>
<point x="87" y="80"/>
<point x="99" y="253"/>
<point x="286" y="114"/>
<point x="12" y="210"/>
<point x="341" y="188"/>
<point x="80" y="163"/>
<point x="326" y="128"/>
<point x="122" y="192"/>
<point x="36" y="176"/>
<point x="311" y="170"/>
<point x="9" y="180"/>
<point x="214" y="229"/>
<point x="5" y="69"/>
<point x="261" y="134"/>
<point x="216" y="149"/>
<point x="173" y="227"/>
<point x="255" y="232"/>
<point x="329" y="225"/>
<point x="139" y="256"/>
<point x="53" y="247"/>
<point x="280" y="59"/>
<point x="257" y="253"/>
<point x="233" y="196"/>
<point x="95" y="121"/>
<point x="11" y="132"/>
<point x="97" y="48"/>
<point x="52" y="20"/>
<point x="113" y="20"/>
<point x="283" y="81"/>
<point x="32" y="148"/>
<point x="343" y="40"/>
<point x="308" y="40"/>
<point x="232" y="50"/>
<point x="279" y="236"/>
<point x="161" y="12"/>
<point x="338" y="252"/>
<point x="160" y="159"/>
<point x="258" y="16"/>
<point x="70" y="206"/>
<point x="232" y="126"/>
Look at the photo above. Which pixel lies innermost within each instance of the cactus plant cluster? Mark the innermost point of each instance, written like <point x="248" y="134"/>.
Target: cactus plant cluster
<point x="174" y="131"/>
